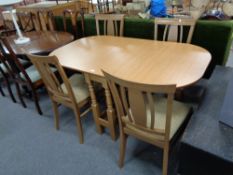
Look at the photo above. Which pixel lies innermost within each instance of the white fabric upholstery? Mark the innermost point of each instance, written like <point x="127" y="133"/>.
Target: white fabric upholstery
<point x="79" y="87"/>
<point x="23" y="62"/>
<point x="33" y="73"/>
<point x="3" y="67"/>
<point x="180" y="112"/>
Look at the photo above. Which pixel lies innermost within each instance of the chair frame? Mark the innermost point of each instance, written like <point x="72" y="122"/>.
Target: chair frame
<point x="110" y="24"/>
<point x="15" y="68"/>
<point x="129" y="95"/>
<point x="56" y="94"/>
<point x="180" y="23"/>
<point x="73" y="17"/>
<point x="46" y="20"/>
<point x="2" y="92"/>
<point x="25" y="21"/>
<point x="5" y="77"/>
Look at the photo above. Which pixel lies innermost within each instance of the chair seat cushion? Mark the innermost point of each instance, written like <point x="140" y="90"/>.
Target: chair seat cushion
<point x="3" y="67"/>
<point x="33" y="73"/>
<point x="23" y="62"/>
<point x="179" y="114"/>
<point x="79" y="87"/>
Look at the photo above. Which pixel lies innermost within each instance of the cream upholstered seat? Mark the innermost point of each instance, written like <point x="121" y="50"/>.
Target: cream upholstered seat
<point x="179" y="114"/>
<point x="23" y="62"/>
<point x="147" y="112"/>
<point x="33" y="74"/>
<point x="79" y="87"/>
<point x="72" y="93"/>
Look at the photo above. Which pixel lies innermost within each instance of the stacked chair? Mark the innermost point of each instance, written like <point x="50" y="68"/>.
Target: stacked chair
<point x="28" y="78"/>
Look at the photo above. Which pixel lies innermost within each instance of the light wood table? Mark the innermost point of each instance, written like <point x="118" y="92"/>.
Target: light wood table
<point x="137" y="60"/>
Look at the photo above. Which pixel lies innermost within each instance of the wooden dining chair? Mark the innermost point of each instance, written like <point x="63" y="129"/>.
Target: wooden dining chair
<point x="28" y="78"/>
<point x="147" y="112"/>
<point x="85" y="5"/>
<point x="72" y="16"/>
<point x="111" y="24"/>
<point x="106" y="6"/>
<point x="174" y="29"/>
<point x="25" y="21"/>
<point x="46" y="20"/>
<point x="72" y="93"/>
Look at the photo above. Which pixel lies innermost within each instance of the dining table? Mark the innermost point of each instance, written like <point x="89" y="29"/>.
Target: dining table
<point x="41" y="42"/>
<point x="132" y="59"/>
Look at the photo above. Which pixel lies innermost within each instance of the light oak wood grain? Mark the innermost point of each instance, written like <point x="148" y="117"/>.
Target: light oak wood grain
<point x="137" y="60"/>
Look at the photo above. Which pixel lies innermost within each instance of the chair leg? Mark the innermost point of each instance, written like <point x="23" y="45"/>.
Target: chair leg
<point x="56" y="114"/>
<point x="2" y="91"/>
<point x="79" y="125"/>
<point x="123" y="142"/>
<point x="10" y="90"/>
<point x="8" y="86"/>
<point x="36" y="100"/>
<point x="20" y="95"/>
<point x="165" y="159"/>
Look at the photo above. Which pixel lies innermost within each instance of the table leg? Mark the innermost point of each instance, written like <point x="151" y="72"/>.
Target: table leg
<point x="109" y="120"/>
<point x="94" y="105"/>
<point x="110" y="112"/>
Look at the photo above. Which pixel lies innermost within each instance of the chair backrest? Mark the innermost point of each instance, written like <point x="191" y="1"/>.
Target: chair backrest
<point x="44" y="65"/>
<point x="85" y="6"/>
<point x="105" y="6"/>
<point x="72" y="15"/>
<point x="46" y="20"/>
<point x="113" y="24"/>
<point x="174" y="29"/>
<point x="25" y="21"/>
<point x="136" y="104"/>
<point x="12" y="61"/>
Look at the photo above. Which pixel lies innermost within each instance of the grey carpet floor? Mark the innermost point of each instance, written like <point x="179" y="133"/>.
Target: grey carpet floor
<point x="30" y="145"/>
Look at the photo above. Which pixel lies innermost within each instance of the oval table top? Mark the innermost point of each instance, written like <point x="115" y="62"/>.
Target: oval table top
<point x="41" y="42"/>
<point x="137" y="60"/>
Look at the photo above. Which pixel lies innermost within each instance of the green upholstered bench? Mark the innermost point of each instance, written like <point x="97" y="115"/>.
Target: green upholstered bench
<point x="215" y="36"/>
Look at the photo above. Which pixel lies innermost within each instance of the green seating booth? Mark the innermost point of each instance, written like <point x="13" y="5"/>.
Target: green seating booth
<point x="215" y="36"/>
